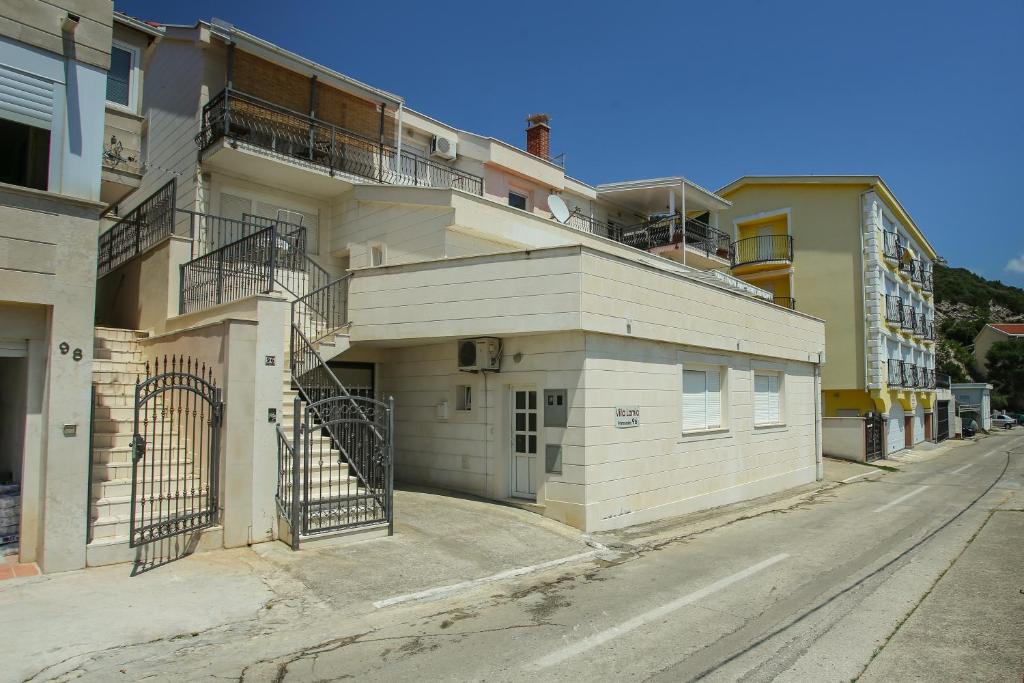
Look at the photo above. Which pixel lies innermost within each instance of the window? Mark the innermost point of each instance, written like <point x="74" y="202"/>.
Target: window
<point x="767" y="409"/>
<point x="377" y="255"/>
<point x="24" y="155"/>
<point x="463" y="397"/>
<point x="517" y="200"/>
<point x="121" y="76"/>
<point x="702" y="399"/>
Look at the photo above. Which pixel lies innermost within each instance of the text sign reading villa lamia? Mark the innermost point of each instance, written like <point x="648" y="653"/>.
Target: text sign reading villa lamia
<point x="627" y="416"/>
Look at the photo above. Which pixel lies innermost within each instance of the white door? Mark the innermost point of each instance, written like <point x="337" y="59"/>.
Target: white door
<point x="897" y="437"/>
<point x="524" y="442"/>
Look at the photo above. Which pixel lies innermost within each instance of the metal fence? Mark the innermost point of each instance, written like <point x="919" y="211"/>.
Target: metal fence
<point x="141" y="228"/>
<point x="762" y="249"/>
<point x="891" y="246"/>
<point x="893" y="309"/>
<point x="309" y="141"/>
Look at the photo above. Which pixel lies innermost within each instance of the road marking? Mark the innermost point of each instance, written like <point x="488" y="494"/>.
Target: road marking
<point x="961" y="469"/>
<point x="441" y="591"/>
<point x="590" y="642"/>
<point x="858" y="476"/>
<point x="900" y="499"/>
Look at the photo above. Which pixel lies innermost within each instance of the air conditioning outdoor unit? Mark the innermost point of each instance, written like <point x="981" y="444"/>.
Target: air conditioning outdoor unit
<point x="442" y="147"/>
<point x="477" y="355"/>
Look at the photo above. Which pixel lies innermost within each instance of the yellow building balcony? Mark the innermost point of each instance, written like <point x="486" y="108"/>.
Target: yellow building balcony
<point x="764" y="252"/>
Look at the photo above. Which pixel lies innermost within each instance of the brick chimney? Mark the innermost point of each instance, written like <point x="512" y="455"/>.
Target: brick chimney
<point x="538" y="135"/>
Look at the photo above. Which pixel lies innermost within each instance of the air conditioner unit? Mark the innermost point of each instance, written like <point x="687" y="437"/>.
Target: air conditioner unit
<point x="477" y="355"/>
<point x="442" y="147"/>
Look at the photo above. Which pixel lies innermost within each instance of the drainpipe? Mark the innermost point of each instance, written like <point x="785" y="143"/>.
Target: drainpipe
<point x="818" y="461"/>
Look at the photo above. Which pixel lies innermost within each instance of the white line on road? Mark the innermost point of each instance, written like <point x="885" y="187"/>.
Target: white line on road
<point x="858" y="476"/>
<point x="590" y="642"/>
<point x="900" y="499"/>
<point x="441" y="591"/>
<point x="961" y="469"/>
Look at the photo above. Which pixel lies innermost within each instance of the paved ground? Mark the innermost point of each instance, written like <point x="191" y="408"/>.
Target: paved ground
<point x="913" y="575"/>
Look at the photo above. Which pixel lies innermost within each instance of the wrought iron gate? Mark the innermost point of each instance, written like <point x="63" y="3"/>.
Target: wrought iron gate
<point x="175" y="451"/>
<point x="942" y="433"/>
<point x="339" y="460"/>
<point x="874" y="437"/>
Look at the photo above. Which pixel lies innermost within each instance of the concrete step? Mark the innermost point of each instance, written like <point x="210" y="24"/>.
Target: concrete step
<point x="119" y="507"/>
<point x="165" y="428"/>
<point x="121" y="399"/>
<point x="118" y="334"/>
<point x="123" y="356"/>
<point x="165" y="441"/>
<point x="122" y="366"/>
<point x="115" y="550"/>
<point x="117" y="488"/>
<point x="104" y="455"/>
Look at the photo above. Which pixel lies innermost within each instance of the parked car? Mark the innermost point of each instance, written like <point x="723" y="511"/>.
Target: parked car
<point x="1003" y="420"/>
<point x="969" y="429"/>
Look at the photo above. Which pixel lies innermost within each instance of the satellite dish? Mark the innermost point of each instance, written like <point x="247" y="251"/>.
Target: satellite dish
<point x="558" y="208"/>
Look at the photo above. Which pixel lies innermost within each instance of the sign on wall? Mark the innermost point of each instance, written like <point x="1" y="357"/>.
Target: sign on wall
<point x="627" y="416"/>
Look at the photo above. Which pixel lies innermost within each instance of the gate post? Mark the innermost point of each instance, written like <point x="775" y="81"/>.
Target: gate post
<point x="296" y="500"/>
<point x="391" y="466"/>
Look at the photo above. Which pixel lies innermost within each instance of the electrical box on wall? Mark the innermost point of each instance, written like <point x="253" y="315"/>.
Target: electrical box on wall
<point x="556" y="408"/>
<point x="442" y="410"/>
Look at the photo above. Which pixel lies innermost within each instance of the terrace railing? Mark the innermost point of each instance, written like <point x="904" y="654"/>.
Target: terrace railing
<point x="588" y="224"/>
<point x="897" y="374"/>
<point x="927" y="278"/>
<point x="141" y="228"/>
<point x="916" y="272"/>
<point x="659" y="232"/>
<point x="893" y="309"/>
<point x="762" y="249"/>
<point x="891" y="246"/>
<point x="909" y="318"/>
<point x="239" y="117"/>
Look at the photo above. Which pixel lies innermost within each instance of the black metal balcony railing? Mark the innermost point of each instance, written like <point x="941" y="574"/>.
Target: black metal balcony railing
<point x="658" y="232"/>
<point x="145" y="225"/>
<point x="928" y="328"/>
<point x="785" y="301"/>
<point x="927" y="282"/>
<point x="762" y="249"/>
<point x="916" y="271"/>
<point x="912" y="376"/>
<point x="893" y="309"/>
<point x="240" y="117"/>
<point x="905" y="267"/>
<point x="897" y="375"/>
<point x="909" y="318"/>
<point x="919" y="321"/>
<point x="588" y="224"/>
<point x="891" y="246"/>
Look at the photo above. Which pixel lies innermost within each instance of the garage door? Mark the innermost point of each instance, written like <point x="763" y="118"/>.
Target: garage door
<point x="896" y="437"/>
<point x="919" y="424"/>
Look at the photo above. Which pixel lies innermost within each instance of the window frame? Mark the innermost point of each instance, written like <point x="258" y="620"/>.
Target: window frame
<point x="780" y="379"/>
<point x="463" y="398"/>
<point x="706" y="428"/>
<point x="519" y="193"/>
<point x="133" y="78"/>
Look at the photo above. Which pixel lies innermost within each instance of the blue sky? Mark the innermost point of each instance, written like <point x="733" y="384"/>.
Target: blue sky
<point x="929" y="95"/>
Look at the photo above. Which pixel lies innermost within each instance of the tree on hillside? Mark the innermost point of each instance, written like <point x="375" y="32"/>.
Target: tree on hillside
<point x="1006" y="371"/>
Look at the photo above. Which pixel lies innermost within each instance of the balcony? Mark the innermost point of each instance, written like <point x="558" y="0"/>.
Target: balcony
<point x="909" y="321"/>
<point x="891" y="246"/>
<point x="927" y="329"/>
<point x="664" y="235"/>
<point x="761" y="250"/>
<point x="897" y="374"/>
<point x="942" y="380"/>
<point x="311" y="143"/>
<point x="894" y="310"/>
<point x="916" y="272"/>
<point x="785" y="302"/>
<point x="927" y="282"/>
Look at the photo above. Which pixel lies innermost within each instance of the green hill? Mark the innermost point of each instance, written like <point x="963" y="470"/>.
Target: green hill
<point x="964" y="303"/>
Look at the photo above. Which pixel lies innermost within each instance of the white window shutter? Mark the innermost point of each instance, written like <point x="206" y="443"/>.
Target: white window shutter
<point x="694" y="389"/>
<point x="773" y="399"/>
<point x="761" y="409"/>
<point x="714" y="399"/>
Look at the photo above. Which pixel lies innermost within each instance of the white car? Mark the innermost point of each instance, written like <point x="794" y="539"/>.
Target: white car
<point x="1002" y="420"/>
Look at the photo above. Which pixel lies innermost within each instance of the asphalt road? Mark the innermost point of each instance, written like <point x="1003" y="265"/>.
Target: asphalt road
<point x="831" y="591"/>
<point x="916" y="575"/>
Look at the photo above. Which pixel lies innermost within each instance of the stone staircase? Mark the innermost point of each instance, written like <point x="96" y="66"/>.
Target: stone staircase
<point x="117" y="366"/>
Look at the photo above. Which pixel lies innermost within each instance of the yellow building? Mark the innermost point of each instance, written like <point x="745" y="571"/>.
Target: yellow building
<point x="844" y="249"/>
